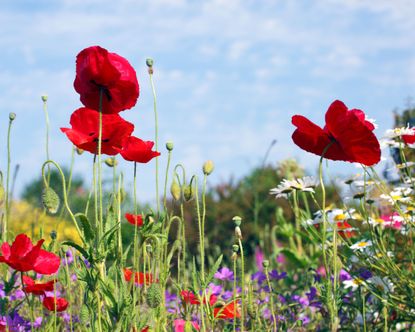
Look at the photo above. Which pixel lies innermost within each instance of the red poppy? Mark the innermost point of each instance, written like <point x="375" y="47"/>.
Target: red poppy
<point x="228" y="311"/>
<point x="23" y="256"/>
<point x="49" y="303"/>
<point x="189" y="297"/>
<point x="345" y="230"/>
<point x="139" y="277"/>
<point x="97" y="69"/>
<point x="348" y="132"/>
<point x="134" y="219"/>
<point x="85" y="131"/>
<point x="409" y="139"/>
<point x="137" y="150"/>
<point x="37" y="288"/>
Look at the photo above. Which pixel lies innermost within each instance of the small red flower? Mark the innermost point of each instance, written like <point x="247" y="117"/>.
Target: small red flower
<point x="85" y="131"/>
<point x="409" y="139"/>
<point x="137" y="150"/>
<point x="134" y="219"/>
<point x="23" y="256"/>
<point x="139" y="277"/>
<point x="97" y="69"/>
<point x="37" y="288"/>
<point x="345" y="230"/>
<point x="348" y="132"/>
<point x="49" y="303"/>
<point x="189" y="297"/>
<point x="228" y="311"/>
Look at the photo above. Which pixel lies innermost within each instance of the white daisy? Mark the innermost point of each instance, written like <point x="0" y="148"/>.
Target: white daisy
<point x="361" y="245"/>
<point x="397" y="132"/>
<point x="354" y="283"/>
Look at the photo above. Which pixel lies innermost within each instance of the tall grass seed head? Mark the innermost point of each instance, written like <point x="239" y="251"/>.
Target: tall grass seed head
<point x="175" y="190"/>
<point x="154" y="296"/>
<point x="208" y="167"/>
<point x="50" y="200"/>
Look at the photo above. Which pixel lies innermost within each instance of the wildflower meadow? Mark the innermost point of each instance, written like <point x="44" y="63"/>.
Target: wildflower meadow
<point x="285" y="251"/>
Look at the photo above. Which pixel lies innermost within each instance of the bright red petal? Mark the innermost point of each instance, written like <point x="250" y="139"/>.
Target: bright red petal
<point x="46" y="263"/>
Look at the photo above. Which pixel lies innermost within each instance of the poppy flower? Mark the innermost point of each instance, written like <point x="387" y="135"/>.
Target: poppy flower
<point x="409" y="139"/>
<point x="347" y="136"/>
<point x="139" y="277"/>
<point x="134" y="219"/>
<point x="345" y="230"/>
<point x="189" y="297"/>
<point x="49" y="303"/>
<point x="37" y="288"/>
<point x="227" y="311"/>
<point x="99" y="70"/>
<point x="23" y="256"/>
<point x="85" y="131"/>
<point x="135" y="149"/>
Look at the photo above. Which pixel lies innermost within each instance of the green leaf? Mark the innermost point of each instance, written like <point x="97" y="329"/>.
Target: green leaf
<point x="77" y="247"/>
<point x="86" y="227"/>
<point x="213" y="270"/>
<point x="294" y="258"/>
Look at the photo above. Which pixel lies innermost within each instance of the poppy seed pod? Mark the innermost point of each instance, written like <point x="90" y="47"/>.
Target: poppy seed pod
<point x="149" y="62"/>
<point x="12" y="116"/>
<point x="153" y="296"/>
<point x="175" y="190"/>
<point x="79" y="151"/>
<point x="265" y="263"/>
<point x="50" y="200"/>
<point x="235" y="248"/>
<point x="238" y="233"/>
<point x="169" y="145"/>
<point x="237" y="220"/>
<point x="44" y="98"/>
<point x="208" y="167"/>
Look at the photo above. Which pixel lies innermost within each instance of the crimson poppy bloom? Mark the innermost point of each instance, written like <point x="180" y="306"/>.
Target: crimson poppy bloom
<point x="139" y="277"/>
<point x="99" y="70"/>
<point x="189" y="297"/>
<point x="49" y="303"/>
<point x="134" y="219"/>
<point x="135" y="149"/>
<point x="37" y="288"/>
<point x="228" y="311"/>
<point x="347" y="136"/>
<point x="23" y="256"/>
<point x="85" y="131"/>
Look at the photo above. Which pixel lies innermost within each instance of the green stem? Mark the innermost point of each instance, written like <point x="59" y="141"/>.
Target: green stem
<point x="242" y="285"/>
<point x="7" y="203"/>
<point x="155" y="137"/>
<point x="271" y="299"/>
<point x="166" y="180"/>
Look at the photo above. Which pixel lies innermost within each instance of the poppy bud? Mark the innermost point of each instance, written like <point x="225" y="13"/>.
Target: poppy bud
<point x="208" y="167"/>
<point x="238" y="233"/>
<point x="12" y="116"/>
<point x="79" y="151"/>
<point x="44" y="98"/>
<point x="2" y="194"/>
<point x="53" y="235"/>
<point x="265" y="263"/>
<point x="188" y="193"/>
<point x="175" y="190"/>
<point x="50" y="200"/>
<point x="153" y="296"/>
<point x="169" y="145"/>
<point x="111" y="162"/>
<point x="149" y="62"/>
<point x="237" y="220"/>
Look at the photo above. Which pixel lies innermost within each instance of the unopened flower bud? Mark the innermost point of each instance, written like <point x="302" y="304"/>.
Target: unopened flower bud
<point x="111" y="162"/>
<point x="53" y="235"/>
<point x="175" y="190"/>
<point x="265" y="263"/>
<point x="169" y="145"/>
<point x="237" y="220"/>
<point x="153" y="296"/>
<point x="79" y="151"/>
<point x="2" y="194"/>
<point x="238" y="233"/>
<point x="208" y="167"/>
<point x="44" y="98"/>
<point x="12" y="116"/>
<point x="149" y="62"/>
<point x="50" y="200"/>
<point x="188" y="193"/>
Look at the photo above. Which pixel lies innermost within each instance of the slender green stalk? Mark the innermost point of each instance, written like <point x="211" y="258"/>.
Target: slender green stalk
<point x="12" y="116"/>
<point x="234" y="288"/>
<point x="271" y="298"/>
<point x="242" y="285"/>
<point x="150" y="72"/>
<point x="166" y="180"/>
<point x="45" y="110"/>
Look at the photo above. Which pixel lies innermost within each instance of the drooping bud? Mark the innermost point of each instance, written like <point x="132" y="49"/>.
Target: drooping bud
<point x="50" y="200"/>
<point x="175" y="190"/>
<point x="111" y="162"/>
<point x="79" y="151"/>
<point x="44" y="98"/>
<point x="237" y="220"/>
<point x="169" y="145"/>
<point x="208" y="167"/>
<point x="188" y="193"/>
<point x="12" y="116"/>
<point x="154" y="296"/>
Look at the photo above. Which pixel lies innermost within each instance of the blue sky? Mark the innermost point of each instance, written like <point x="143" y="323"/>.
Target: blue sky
<point x="229" y="73"/>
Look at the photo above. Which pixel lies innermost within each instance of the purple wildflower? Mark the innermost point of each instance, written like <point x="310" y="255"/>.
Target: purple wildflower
<point x="274" y="275"/>
<point x="224" y="274"/>
<point x="259" y="277"/>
